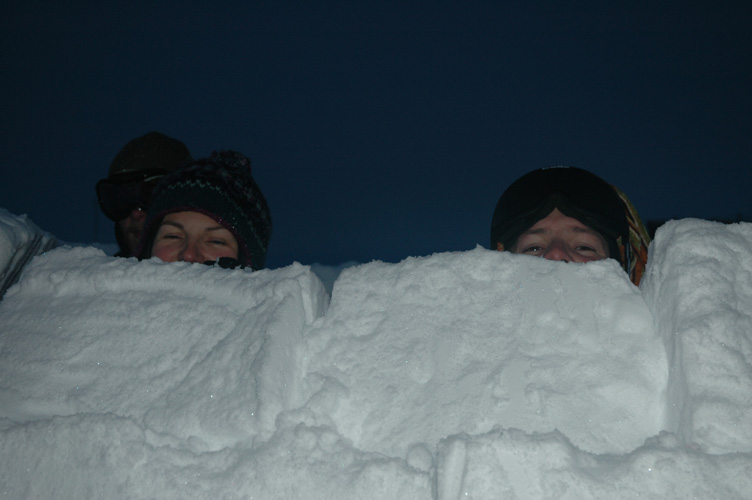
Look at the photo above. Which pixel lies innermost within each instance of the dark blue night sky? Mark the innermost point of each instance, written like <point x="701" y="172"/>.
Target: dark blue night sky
<point x="381" y="130"/>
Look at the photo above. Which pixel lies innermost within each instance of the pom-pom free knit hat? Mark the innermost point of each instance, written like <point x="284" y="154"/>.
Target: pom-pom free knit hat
<point x="222" y="188"/>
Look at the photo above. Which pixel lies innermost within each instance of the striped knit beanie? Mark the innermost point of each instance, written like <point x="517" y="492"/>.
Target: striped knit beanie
<point x="220" y="187"/>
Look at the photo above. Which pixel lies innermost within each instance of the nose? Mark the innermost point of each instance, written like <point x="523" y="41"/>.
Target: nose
<point x="138" y="215"/>
<point x="557" y="250"/>
<point x="191" y="253"/>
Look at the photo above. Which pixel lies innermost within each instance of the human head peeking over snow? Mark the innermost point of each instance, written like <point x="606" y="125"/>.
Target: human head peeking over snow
<point x="210" y="211"/>
<point x="571" y="215"/>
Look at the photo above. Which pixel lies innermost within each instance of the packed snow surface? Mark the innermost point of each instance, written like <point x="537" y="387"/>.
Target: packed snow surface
<point x="20" y="240"/>
<point x="473" y="374"/>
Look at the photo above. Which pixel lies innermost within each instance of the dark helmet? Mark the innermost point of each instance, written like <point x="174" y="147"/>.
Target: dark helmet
<point x="151" y="151"/>
<point x="133" y="174"/>
<point x="577" y="193"/>
<point x="136" y="170"/>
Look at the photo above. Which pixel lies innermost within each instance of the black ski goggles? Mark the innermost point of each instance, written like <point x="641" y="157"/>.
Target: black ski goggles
<point x="122" y="193"/>
<point x="582" y="191"/>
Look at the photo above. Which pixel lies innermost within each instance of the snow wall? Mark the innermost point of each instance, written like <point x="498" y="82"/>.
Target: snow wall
<point x="473" y="374"/>
<point x="20" y="240"/>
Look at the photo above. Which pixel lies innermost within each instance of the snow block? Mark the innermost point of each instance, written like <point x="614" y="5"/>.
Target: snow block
<point x="204" y="354"/>
<point x="103" y="456"/>
<point x="20" y="240"/>
<point x="460" y="375"/>
<point x="513" y="464"/>
<point x="698" y="284"/>
<point x="411" y="353"/>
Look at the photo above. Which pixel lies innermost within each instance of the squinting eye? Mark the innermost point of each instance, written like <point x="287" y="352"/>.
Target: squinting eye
<point x="534" y="248"/>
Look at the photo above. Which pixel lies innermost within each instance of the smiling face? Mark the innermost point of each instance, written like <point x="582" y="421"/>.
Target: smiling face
<point x="193" y="237"/>
<point x="558" y="237"/>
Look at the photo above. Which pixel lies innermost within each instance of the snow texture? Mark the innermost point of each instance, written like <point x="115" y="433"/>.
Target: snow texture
<point x="472" y="374"/>
<point x="20" y="240"/>
<point x="699" y="287"/>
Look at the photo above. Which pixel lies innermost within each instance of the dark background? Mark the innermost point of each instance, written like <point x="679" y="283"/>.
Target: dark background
<point x="380" y="130"/>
